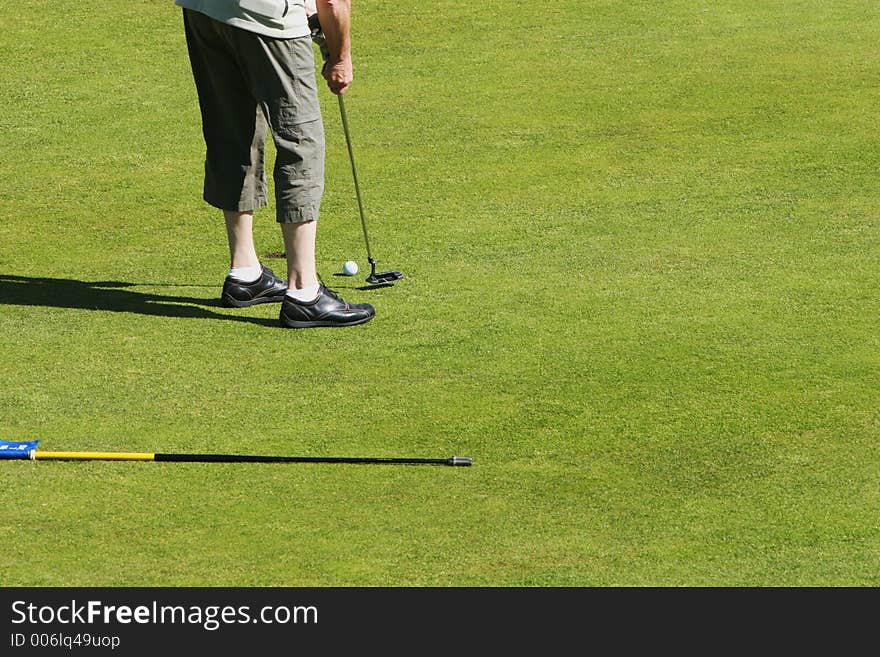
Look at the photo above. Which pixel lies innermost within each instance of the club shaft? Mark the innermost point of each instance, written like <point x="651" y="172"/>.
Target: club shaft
<point x="357" y="187"/>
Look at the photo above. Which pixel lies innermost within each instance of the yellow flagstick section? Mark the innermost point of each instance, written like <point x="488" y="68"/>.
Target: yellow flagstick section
<point x="92" y="456"/>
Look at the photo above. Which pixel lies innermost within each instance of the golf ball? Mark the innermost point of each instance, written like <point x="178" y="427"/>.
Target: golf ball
<point x="350" y="268"/>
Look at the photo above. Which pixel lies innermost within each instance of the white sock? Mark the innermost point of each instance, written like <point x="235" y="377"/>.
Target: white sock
<point x="246" y="274"/>
<point x="306" y="294"/>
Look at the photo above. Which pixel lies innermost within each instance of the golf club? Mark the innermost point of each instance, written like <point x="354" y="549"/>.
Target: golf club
<point x="383" y="278"/>
<point x="28" y="451"/>
<point x="375" y="278"/>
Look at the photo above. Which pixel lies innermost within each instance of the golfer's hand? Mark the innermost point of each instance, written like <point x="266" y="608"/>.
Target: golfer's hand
<point x="338" y="75"/>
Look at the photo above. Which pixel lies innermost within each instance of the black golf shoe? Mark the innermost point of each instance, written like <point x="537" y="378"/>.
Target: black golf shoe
<point x="267" y="288"/>
<point x="326" y="310"/>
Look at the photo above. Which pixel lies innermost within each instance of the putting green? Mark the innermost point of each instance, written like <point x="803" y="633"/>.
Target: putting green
<point x="641" y="252"/>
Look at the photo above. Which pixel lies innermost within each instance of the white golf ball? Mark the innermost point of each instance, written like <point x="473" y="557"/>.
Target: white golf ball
<point x="350" y="268"/>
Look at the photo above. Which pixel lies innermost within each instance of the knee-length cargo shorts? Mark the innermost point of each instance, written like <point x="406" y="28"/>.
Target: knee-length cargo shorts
<point x="248" y="84"/>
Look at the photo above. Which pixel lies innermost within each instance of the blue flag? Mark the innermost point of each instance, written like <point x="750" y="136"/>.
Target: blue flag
<point x="17" y="450"/>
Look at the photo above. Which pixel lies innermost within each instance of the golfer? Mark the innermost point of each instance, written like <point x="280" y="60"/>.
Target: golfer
<point x="254" y="71"/>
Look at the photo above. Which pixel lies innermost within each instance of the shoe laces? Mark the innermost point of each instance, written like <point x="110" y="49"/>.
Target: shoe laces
<point x="329" y="292"/>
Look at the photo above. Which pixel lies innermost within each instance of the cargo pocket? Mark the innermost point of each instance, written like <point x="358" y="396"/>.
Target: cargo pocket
<point x="285" y="118"/>
<point x="289" y="87"/>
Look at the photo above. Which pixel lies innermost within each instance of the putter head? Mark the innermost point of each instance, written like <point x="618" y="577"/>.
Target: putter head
<point x="382" y="277"/>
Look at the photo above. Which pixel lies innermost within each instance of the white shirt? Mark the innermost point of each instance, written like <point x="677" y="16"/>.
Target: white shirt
<point x="282" y="19"/>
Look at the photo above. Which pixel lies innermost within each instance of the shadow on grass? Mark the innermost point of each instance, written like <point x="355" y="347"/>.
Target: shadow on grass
<point x="113" y="296"/>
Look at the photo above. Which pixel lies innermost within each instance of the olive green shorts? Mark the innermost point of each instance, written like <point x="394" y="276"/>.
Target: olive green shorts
<point x="249" y="84"/>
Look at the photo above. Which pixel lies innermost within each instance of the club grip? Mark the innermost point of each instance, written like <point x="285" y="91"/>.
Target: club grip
<point x="318" y="36"/>
<point x="460" y="460"/>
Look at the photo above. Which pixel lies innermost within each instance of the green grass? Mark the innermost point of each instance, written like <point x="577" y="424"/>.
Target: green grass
<point x="641" y="243"/>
